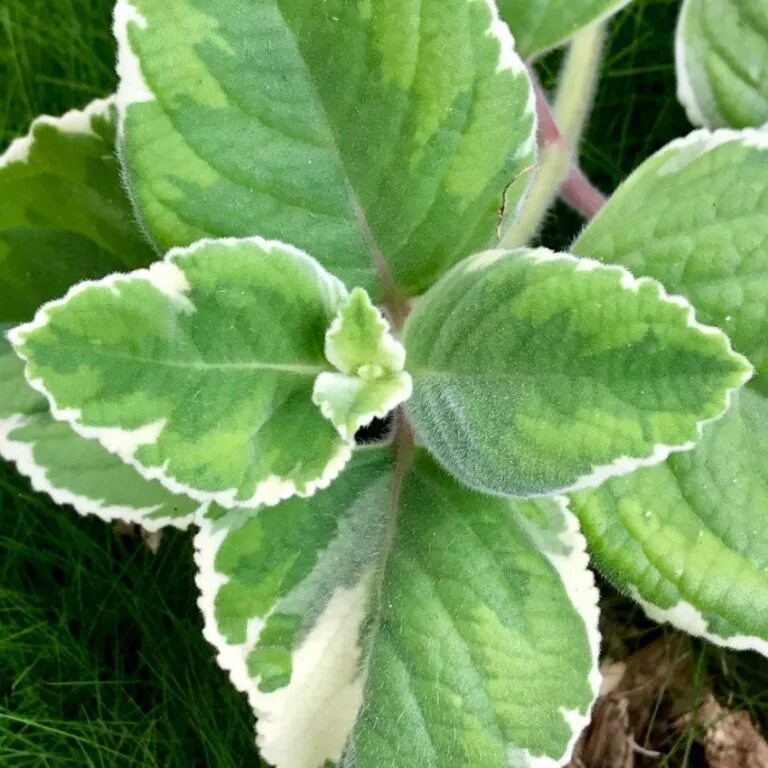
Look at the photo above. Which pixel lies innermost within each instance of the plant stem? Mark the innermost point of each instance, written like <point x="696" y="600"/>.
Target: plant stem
<point x="559" y="135"/>
<point x="579" y="192"/>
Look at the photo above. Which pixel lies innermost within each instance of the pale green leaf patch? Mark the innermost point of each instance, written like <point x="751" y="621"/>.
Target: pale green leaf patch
<point x="397" y="618"/>
<point x="372" y="381"/>
<point x="693" y="216"/>
<point x="199" y="370"/>
<point x="689" y="538"/>
<point x="721" y="53"/>
<point x="536" y="372"/>
<point x="350" y="403"/>
<point x="539" y="25"/>
<point x="377" y="149"/>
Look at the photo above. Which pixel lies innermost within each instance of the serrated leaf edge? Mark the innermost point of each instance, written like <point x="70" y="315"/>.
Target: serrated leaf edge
<point x="624" y="464"/>
<point x="364" y="419"/>
<point x="689" y="619"/>
<point x="233" y="659"/>
<point x="579" y="583"/>
<point x="508" y="56"/>
<point x="166" y="277"/>
<point x="710" y="140"/>
<point x="389" y="344"/>
<point x="76" y="121"/>
<point x="22" y="455"/>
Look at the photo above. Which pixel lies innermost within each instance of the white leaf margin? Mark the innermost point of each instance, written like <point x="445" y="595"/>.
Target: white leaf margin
<point x="686" y="93"/>
<point x="169" y="279"/>
<point x="76" y="121"/>
<point x="509" y="60"/>
<point x="133" y="87"/>
<point x="280" y="737"/>
<point x="688" y="618"/>
<point x="22" y="454"/>
<point x="661" y="451"/>
<point x="707" y="141"/>
<point x="309" y="721"/>
<point x="578" y="579"/>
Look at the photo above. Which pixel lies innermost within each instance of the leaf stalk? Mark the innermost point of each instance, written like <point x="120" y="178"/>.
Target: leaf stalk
<point x="560" y="131"/>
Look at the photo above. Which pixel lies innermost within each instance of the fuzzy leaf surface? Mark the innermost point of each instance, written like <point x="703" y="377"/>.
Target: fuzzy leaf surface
<point x="406" y="617"/>
<point x="535" y="372"/>
<point x="722" y="62"/>
<point x="199" y="370"/>
<point x="378" y="136"/>
<point x="539" y="25"/>
<point x="689" y="538"/>
<point x="695" y="217"/>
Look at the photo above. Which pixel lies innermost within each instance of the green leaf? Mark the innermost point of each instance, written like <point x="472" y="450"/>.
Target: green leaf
<point x="539" y="25"/>
<point x="535" y="372"/>
<point x="448" y="628"/>
<point x="689" y="538"/>
<point x="377" y="135"/>
<point x="722" y="62"/>
<point x="693" y="217"/>
<point x="64" y="215"/>
<point x="64" y="218"/>
<point x="372" y="381"/>
<point x="686" y="537"/>
<point x="199" y="371"/>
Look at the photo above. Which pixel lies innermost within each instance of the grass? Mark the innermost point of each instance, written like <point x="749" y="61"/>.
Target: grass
<point x="54" y="55"/>
<point x="101" y="658"/>
<point x="102" y="662"/>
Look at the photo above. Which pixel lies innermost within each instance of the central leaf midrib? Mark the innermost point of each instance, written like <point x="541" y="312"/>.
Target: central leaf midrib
<point x="535" y="375"/>
<point x="379" y="260"/>
<point x="299" y="369"/>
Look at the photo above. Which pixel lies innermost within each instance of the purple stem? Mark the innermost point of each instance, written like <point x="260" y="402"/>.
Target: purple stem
<point x="577" y="190"/>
